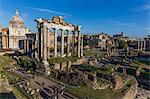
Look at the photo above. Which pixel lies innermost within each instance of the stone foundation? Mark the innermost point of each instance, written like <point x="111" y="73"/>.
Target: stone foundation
<point x="67" y="65"/>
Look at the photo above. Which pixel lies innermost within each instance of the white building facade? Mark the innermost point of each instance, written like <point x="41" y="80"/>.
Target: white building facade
<point x="17" y="31"/>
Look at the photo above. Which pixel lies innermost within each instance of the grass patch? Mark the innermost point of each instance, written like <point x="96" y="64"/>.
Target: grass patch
<point x="18" y="94"/>
<point x="84" y="91"/>
<point x="5" y="61"/>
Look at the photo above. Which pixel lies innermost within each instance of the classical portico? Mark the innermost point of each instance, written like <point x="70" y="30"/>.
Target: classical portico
<point x="57" y="24"/>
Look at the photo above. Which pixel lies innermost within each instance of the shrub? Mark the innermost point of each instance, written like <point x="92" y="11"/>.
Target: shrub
<point x="72" y="79"/>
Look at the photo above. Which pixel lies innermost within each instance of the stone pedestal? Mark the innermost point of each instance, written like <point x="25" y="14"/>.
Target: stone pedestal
<point x="47" y="69"/>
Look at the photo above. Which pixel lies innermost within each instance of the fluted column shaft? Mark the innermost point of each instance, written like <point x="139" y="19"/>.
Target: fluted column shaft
<point x="62" y="42"/>
<point x="55" y="42"/>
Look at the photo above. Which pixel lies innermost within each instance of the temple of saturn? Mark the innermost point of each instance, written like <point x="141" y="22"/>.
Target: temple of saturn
<point x="74" y="42"/>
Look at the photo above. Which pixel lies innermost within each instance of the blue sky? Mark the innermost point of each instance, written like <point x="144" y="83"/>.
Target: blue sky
<point x="109" y="16"/>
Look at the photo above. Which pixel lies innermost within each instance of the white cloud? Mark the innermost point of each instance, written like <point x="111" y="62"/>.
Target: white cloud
<point x="145" y="7"/>
<point x="49" y="11"/>
<point x="126" y="24"/>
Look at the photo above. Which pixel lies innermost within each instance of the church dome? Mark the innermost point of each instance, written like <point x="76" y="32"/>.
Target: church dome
<point x="16" y="20"/>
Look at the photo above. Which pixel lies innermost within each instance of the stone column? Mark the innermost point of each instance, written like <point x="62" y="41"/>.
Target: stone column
<point x="82" y="45"/>
<point x="45" y="53"/>
<point x="73" y="44"/>
<point x="55" y="42"/>
<point x="78" y="46"/>
<point x="68" y="43"/>
<point x="39" y="41"/>
<point x="36" y="46"/>
<point x="33" y="48"/>
<point x="42" y="36"/>
<point x="138" y="45"/>
<point x="144" y="45"/>
<point x="45" y="42"/>
<point x="25" y="46"/>
<point x="62" y="42"/>
<point x="48" y="45"/>
<point x="141" y="46"/>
